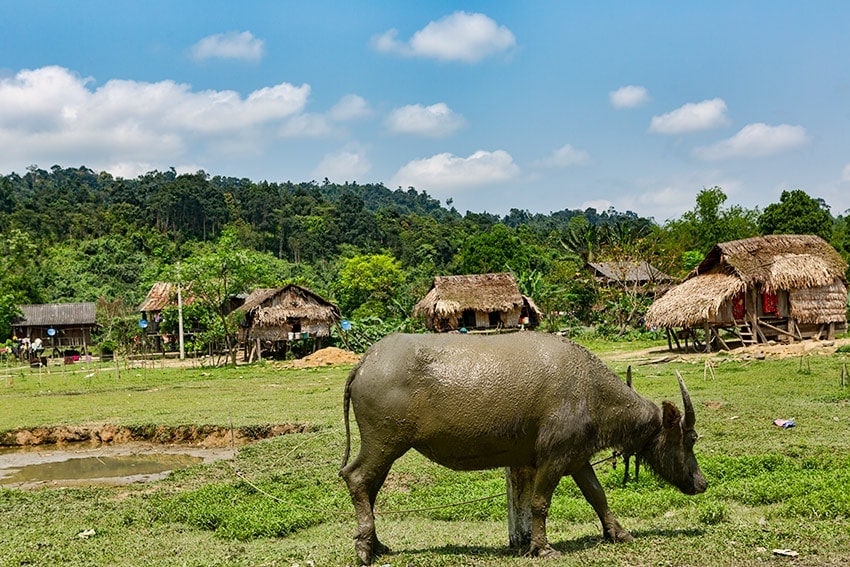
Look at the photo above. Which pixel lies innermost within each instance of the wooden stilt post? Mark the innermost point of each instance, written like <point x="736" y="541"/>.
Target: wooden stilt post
<point x="520" y="481"/>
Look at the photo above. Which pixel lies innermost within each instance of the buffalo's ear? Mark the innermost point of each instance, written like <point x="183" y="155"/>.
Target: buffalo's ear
<point x="671" y="415"/>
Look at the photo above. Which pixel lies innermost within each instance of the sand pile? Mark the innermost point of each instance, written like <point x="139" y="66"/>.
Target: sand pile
<point x="330" y="356"/>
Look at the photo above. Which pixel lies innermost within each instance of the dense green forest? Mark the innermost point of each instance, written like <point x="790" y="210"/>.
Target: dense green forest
<point x="73" y="234"/>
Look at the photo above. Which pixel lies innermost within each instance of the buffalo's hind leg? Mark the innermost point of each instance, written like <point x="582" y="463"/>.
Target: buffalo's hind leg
<point x="546" y="479"/>
<point x="591" y="489"/>
<point x="364" y="477"/>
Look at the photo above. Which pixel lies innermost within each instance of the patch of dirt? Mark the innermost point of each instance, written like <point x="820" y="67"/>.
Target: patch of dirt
<point x="108" y="434"/>
<point x="330" y="356"/>
<point x="656" y="355"/>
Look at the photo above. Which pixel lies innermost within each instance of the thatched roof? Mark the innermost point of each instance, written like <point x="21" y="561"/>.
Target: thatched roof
<point x="693" y="301"/>
<point x="777" y="261"/>
<point x="65" y="314"/>
<point x="629" y="272"/>
<point x="806" y="266"/>
<point x="272" y="307"/>
<point x="450" y="295"/>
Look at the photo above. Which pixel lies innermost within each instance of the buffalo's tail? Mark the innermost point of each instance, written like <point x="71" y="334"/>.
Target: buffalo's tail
<point x="346" y="404"/>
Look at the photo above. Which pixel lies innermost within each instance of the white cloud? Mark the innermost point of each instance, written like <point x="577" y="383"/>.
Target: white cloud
<point x="437" y="120"/>
<point x="629" y="96"/>
<point x="691" y="117"/>
<point x="50" y="115"/>
<point x="309" y="125"/>
<point x="345" y="165"/>
<point x="443" y="171"/>
<point x="350" y="107"/>
<point x="230" y="45"/>
<point x="565" y="156"/>
<point x="755" y="140"/>
<point x="457" y="37"/>
<point x="845" y="173"/>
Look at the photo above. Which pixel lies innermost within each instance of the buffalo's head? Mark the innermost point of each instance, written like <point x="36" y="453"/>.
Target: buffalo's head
<point x="670" y="453"/>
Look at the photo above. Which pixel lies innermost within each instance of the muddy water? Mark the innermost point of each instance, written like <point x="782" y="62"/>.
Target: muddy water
<point x="87" y="464"/>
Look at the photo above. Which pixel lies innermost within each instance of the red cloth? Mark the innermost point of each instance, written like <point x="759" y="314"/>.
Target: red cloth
<point x="739" y="308"/>
<point x="769" y="303"/>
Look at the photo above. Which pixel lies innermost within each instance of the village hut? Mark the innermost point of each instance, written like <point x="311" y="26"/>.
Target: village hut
<point x="274" y="318"/>
<point x="64" y="327"/>
<point x="775" y="287"/>
<point x="160" y="296"/>
<point x="477" y="302"/>
<point x="628" y="274"/>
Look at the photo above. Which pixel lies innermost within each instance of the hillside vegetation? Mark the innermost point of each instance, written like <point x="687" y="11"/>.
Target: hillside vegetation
<point x="73" y="234"/>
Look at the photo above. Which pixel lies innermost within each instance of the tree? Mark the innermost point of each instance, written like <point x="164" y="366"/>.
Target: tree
<point x="581" y="239"/>
<point x="498" y="249"/>
<point x="18" y="262"/>
<point x="369" y="285"/>
<point x="219" y="271"/>
<point x="797" y="213"/>
<point x="708" y="223"/>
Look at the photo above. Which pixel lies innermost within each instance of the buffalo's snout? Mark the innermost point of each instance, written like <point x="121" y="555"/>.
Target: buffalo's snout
<point x="698" y="486"/>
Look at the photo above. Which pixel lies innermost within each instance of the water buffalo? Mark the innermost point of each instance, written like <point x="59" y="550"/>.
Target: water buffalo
<point x="539" y="405"/>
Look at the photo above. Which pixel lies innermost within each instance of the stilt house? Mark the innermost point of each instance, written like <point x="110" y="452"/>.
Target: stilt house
<point x="477" y="302"/>
<point x="275" y="317"/>
<point x="776" y="287"/>
<point x="60" y="326"/>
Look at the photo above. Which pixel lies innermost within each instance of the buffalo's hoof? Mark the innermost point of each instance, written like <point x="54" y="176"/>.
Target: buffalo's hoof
<point x="619" y="536"/>
<point x="547" y="552"/>
<point x="368" y="549"/>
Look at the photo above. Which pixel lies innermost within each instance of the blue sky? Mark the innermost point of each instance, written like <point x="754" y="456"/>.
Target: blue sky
<point x="544" y="105"/>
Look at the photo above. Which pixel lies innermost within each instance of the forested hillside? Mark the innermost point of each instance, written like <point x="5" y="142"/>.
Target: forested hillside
<point x="72" y="234"/>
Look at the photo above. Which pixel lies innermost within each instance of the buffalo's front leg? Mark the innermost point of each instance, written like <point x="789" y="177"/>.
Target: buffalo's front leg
<point x="591" y="489"/>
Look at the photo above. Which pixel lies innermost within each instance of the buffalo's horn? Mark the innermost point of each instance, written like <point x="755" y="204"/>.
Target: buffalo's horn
<point x="690" y="416"/>
<point x="629" y="376"/>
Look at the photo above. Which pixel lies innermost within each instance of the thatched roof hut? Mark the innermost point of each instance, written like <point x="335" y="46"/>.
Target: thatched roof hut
<point x="775" y="286"/>
<point x="287" y="313"/>
<point x="628" y="273"/>
<point x="477" y="301"/>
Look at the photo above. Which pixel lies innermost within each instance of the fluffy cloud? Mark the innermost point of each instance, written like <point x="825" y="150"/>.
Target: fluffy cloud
<point x="231" y="45"/>
<point x="691" y="117"/>
<point x="565" y="156"/>
<point x="51" y="115"/>
<point x="445" y="171"/>
<point x="457" y="37"/>
<point x="629" y="96"/>
<point x="755" y="140"/>
<point x="345" y="165"/>
<point x="437" y="120"/>
<point x="350" y="107"/>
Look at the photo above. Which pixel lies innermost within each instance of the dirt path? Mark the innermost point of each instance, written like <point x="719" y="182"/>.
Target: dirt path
<point x="659" y="354"/>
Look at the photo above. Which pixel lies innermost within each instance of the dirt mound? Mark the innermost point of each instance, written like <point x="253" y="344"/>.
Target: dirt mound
<point x="330" y="356"/>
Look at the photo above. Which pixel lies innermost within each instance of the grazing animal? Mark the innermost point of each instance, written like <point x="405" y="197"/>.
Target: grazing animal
<point x="534" y="403"/>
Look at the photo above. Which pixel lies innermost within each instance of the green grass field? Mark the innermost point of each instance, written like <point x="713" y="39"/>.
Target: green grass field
<point x="280" y="501"/>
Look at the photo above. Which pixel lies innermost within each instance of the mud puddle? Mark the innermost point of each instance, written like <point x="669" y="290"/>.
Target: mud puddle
<point x="114" y="455"/>
<point x="103" y="465"/>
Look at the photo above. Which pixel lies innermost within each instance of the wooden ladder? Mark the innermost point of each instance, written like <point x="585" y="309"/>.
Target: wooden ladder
<point x="745" y="332"/>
